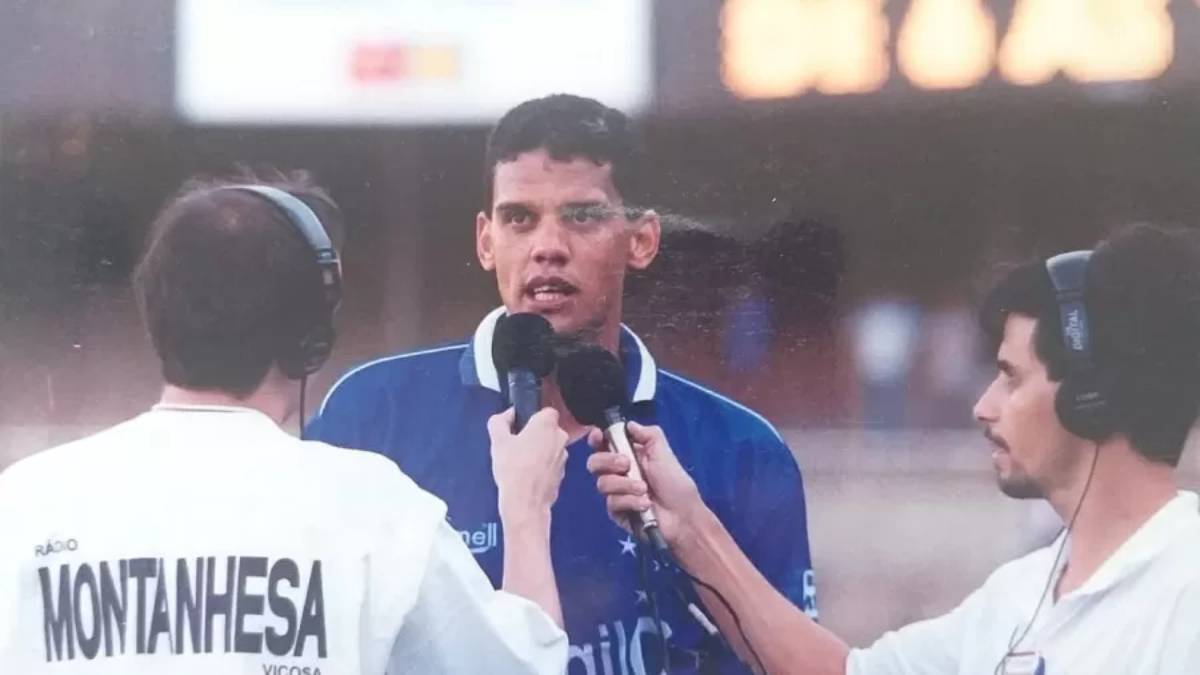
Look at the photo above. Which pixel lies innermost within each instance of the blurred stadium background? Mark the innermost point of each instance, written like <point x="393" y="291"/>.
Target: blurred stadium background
<point x="840" y="177"/>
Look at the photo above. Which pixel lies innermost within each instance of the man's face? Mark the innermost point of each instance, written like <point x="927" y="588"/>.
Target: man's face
<point x="1033" y="454"/>
<point x="559" y="241"/>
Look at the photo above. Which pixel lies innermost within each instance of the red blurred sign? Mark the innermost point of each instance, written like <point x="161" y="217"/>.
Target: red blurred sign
<point x="379" y="63"/>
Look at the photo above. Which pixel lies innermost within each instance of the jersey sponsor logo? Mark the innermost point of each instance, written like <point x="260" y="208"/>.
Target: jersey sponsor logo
<point x="809" y="600"/>
<point x="621" y="651"/>
<point x="483" y="539"/>
<point x="203" y="605"/>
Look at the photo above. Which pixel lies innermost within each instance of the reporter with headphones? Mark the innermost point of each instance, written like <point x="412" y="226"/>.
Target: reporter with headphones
<point x="1098" y="385"/>
<point x="199" y="537"/>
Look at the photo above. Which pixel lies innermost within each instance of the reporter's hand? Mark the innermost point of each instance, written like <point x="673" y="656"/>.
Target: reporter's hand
<point x="528" y="467"/>
<point x="667" y="486"/>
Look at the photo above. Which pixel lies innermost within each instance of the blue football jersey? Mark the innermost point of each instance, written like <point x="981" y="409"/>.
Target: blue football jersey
<point x="427" y="410"/>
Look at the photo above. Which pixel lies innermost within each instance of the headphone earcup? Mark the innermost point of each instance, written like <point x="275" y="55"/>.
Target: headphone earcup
<point x="310" y="353"/>
<point x="1082" y="407"/>
<point x="316" y="347"/>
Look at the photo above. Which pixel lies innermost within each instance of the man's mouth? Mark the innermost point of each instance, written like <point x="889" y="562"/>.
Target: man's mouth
<point x="549" y="290"/>
<point x="998" y="443"/>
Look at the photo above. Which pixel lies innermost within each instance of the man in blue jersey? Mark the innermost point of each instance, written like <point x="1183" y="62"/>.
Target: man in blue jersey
<point x="564" y="221"/>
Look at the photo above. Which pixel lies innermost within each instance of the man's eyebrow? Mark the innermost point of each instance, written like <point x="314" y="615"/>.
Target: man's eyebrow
<point x="513" y="206"/>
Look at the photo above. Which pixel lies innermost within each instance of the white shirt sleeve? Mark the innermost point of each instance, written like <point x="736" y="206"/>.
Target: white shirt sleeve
<point x="1181" y="645"/>
<point x="8" y="576"/>
<point x="461" y="624"/>
<point x="11" y="520"/>
<point x="930" y="647"/>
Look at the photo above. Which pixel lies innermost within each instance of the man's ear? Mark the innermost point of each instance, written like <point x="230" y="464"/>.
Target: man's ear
<point x="484" y="247"/>
<point x="645" y="240"/>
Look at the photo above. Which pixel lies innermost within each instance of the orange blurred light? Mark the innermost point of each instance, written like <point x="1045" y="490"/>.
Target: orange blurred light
<point x="434" y="62"/>
<point x="1089" y="40"/>
<point x="781" y="48"/>
<point x="947" y="44"/>
<point x="761" y="54"/>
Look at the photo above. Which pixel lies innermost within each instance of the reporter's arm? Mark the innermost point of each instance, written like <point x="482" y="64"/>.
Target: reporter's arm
<point x="528" y="468"/>
<point x="427" y="607"/>
<point x="783" y="636"/>
<point x="460" y="624"/>
<point x="528" y="569"/>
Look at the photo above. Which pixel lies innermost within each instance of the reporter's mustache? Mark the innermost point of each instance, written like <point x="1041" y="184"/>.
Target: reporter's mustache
<point x="994" y="438"/>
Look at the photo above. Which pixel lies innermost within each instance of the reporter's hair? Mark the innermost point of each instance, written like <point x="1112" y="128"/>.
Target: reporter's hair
<point x="1143" y="302"/>
<point x="227" y="285"/>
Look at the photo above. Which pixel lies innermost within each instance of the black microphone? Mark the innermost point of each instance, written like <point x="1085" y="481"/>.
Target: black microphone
<point x="523" y="349"/>
<point x="593" y="387"/>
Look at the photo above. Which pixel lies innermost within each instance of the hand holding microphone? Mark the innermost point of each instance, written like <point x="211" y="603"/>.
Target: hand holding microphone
<point x="593" y="387"/>
<point x="528" y="466"/>
<point x="528" y="446"/>
<point x="663" y="486"/>
<point x="523" y="351"/>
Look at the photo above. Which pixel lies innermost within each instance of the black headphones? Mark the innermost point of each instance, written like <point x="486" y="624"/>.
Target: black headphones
<point x="310" y="352"/>
<point x="1081" y="403"/>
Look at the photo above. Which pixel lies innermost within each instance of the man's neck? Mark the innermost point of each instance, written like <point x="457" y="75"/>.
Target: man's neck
<point x="266" y="399"/>
<point x="1126" y="491"/>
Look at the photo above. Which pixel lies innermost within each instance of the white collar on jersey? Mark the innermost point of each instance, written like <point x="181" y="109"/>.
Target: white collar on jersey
<point x="485" y="368"/>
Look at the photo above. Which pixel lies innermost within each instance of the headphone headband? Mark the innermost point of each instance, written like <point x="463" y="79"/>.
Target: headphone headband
<point x="313" y="348"/>
<point x="306" y="221"/>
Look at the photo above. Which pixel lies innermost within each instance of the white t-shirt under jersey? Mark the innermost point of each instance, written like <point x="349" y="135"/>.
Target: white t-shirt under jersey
<point x="207" y="540"/>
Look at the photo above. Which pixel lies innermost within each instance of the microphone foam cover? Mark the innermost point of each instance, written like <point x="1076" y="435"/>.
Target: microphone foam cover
<point x="523" y="341"/>
<point x="592" y="381"/>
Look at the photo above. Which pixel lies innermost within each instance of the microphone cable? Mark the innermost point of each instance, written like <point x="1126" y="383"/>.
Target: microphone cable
<point x="663" y="557"/>
<point x="651" y="597"/>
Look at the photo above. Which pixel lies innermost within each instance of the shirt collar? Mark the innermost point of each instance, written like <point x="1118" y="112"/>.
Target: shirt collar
<point x="214" y="416"/>
<point x="1162" y="530"/>
<point x="204" y="408"/>
<point x="478" y="369"/>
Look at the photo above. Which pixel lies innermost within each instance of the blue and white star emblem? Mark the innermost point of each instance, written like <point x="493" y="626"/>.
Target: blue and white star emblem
<point x="628" y="546"/>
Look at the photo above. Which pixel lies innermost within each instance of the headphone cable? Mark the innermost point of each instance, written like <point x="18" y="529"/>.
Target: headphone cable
<point x="303" y="387"/>
<point x="1013" y="644"/>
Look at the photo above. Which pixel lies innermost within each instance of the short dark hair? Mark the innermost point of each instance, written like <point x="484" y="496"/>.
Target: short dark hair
<point x="1143" y="301"/>
<point x="569" y="127"/>
<point x="227" y="285"/>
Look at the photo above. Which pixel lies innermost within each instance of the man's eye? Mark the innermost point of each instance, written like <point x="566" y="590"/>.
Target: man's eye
<point x="584" y="216"/>
<point x="516" y="218"/>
